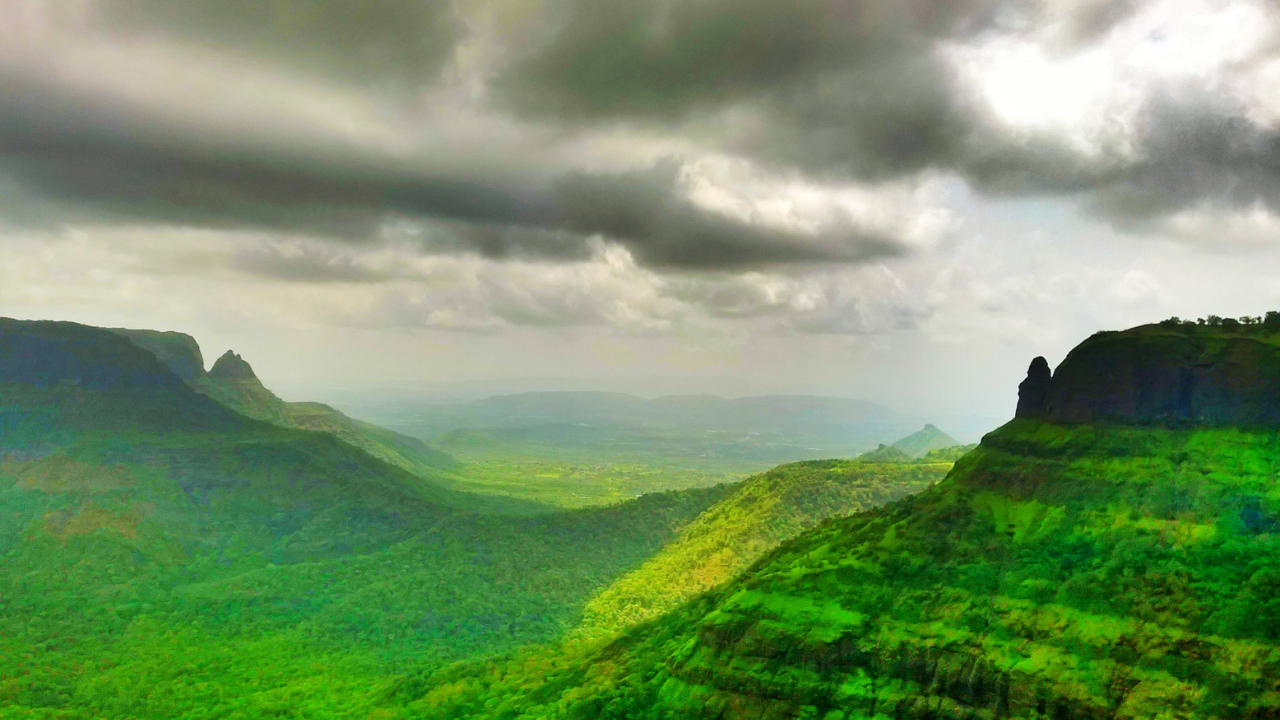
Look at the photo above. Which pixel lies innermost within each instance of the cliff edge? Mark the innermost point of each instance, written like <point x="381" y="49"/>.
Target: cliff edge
<point x="1173" y="372"/>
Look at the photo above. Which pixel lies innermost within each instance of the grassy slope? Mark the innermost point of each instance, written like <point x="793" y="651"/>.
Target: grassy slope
<point x="193" y="550"/>
<point x="1058" y="572"/>
<point x="766" y="510"/>
<point x="181" y="354"/>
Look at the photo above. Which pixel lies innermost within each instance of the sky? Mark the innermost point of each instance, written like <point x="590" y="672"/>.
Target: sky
<point x="897" y="200"/>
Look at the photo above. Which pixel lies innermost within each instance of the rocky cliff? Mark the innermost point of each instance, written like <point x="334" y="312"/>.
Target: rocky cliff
<point x="1161" y="374"/>
<point x="179" y="351"/>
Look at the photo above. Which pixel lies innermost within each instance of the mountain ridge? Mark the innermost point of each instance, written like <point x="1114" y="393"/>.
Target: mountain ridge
<point x="232" y="383"/>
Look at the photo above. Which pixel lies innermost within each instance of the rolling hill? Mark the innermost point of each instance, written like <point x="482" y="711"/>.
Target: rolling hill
<point x="1111" y="553"/>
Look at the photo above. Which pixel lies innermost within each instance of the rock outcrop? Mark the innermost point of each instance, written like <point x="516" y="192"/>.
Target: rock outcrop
<point x="179" y="351"/>
<point x="1033" y="392"/>
<point x="1161" y="375"/>
<point x="232" y="367"/>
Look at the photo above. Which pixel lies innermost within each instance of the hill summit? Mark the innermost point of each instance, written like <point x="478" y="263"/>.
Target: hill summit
<point x="918" y="443"/>
<point x="232" y="367"/>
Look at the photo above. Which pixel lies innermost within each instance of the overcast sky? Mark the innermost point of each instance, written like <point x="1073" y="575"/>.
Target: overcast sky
<point x="897" y="200"/>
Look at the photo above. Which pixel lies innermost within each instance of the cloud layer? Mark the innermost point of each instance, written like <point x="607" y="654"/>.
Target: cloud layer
<point x="713" y="167"/>
<point x="328" y="118"/>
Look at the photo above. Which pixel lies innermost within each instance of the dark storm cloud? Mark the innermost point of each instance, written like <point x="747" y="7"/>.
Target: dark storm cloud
<point x="852" y="87"/>
<point x="125" y="164"/>
<point x="103" y="157"/>
<point x="828" y="90"/>
<point x="1196" y="150"/>
<point x="396" y="43"/>
<point x="859" y="89"/>
<point x="657" y="57"/>
<point x="666" y="229"/>
<point x="840" y="88"/>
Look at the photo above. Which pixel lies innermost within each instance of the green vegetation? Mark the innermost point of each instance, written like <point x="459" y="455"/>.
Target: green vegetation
<point x="885" y="454"/>
<point x="574" y="479"/>
<point x="738" y="530"/>
<point x="948" y="454"/>
<point x="1099" y="572"/>
<point x="246" y="395"/>
<point x="694" y="433"/>
<point x="141" y="553"/>
<point x="163" y="556"/>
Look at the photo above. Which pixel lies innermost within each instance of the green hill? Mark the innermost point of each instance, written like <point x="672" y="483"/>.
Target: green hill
<point x="917" y="444"/>
<point x="763" y="512"/>
<point x="162" y="555"/>
<point x="885" y="454"/>
<point x="1062" y="570"/>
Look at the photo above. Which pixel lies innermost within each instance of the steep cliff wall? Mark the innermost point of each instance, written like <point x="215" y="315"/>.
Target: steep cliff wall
<point x="1163" y="375"/>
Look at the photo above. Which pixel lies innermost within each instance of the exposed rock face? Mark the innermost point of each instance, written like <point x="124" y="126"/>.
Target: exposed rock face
<point x="232" y="367"/>
<point x="1033" y="392"/>
<point x="177" y="350"/>
<point x="1151" y="374"/>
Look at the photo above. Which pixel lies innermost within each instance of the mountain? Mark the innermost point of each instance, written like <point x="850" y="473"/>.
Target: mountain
<point x="1171" y="372"/>
<point x="163" y="554"/>
<point x="232" y="382"/>
<point x="1113" y="552"/>
<point x="917" y="444"/>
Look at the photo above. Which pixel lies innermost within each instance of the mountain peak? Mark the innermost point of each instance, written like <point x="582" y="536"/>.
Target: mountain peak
<point x="1033" y="392"/>
<point x="232" y="367"/>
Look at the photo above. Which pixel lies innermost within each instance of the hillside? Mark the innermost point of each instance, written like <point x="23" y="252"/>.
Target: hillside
<point x="921" y="442"/>
<point x="763" y="512"/>
<point x="163" y="553"/>
<point x="1062" y="570"/>
<point x="884" y="454"/>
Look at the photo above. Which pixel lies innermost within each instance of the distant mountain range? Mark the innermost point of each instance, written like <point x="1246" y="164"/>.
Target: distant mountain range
<point x="750" y="432"/>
